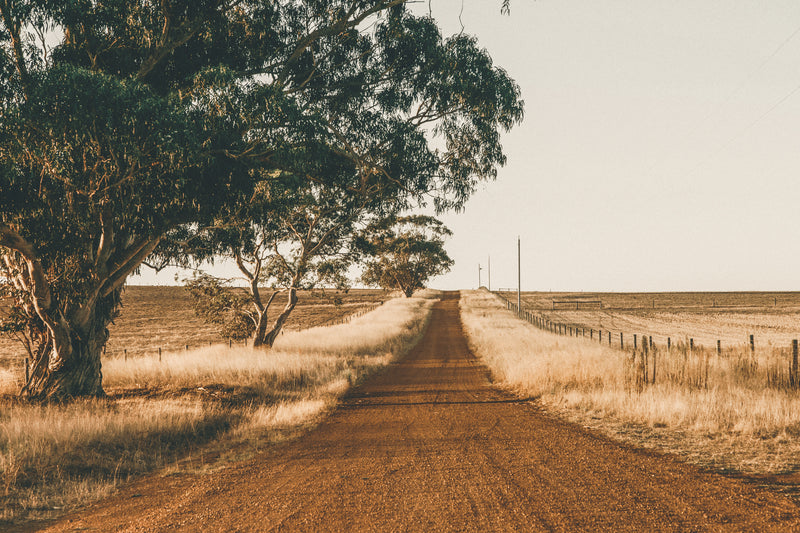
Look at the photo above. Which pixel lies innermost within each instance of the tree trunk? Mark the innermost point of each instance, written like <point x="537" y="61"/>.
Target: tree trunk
<point x="55" y="378"/>
<point x="269" y="338"/>
<point x="261" y="330"/>
<point x="60" y="373"/>
<point x="409" y="292"/>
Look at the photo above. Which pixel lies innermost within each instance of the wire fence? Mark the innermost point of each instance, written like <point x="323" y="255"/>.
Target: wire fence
<point x="347" y="318"/>
<point x="681" y="360"/>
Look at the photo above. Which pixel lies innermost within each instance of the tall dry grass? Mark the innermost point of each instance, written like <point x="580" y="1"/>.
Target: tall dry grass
<point x="53" y="457"/>
<point x="736" y="422"/>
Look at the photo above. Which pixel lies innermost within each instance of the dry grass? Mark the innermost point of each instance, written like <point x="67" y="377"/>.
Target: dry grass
<point x="735" y="424"/>
<point x="54" y="457"/>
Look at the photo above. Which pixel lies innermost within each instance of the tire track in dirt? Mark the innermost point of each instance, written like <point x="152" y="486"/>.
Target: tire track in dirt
<point x="431" y="445"/>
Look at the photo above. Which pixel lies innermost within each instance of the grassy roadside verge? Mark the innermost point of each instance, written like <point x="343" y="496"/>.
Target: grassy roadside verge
<point x="54" y="458"/>
<point x="733" y="426"/>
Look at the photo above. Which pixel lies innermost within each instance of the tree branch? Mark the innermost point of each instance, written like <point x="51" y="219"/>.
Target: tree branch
<point x="40" y="294"/>
<point x="14" y="27"/>
<point x="123" y="268"/>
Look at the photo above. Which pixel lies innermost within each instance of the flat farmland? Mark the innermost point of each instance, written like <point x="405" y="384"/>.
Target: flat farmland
<point x="154" y="317"/>
<point x="772" y="317"/>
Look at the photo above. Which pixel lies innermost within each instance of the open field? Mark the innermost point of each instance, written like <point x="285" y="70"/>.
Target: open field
<point x="154" y="317"/>
<point x="178" y="412"/>
<point x="731" y="317"/>
<point x="719" y="412"/>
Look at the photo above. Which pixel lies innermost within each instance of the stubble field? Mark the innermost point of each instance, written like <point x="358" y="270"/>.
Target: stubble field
<point x="773" y="318"/>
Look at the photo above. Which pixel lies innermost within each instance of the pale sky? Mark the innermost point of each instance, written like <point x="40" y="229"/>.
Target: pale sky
<point x="659" y="149"/>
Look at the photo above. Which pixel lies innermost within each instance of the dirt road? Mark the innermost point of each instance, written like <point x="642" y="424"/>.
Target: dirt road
<point x="430" y="445"/>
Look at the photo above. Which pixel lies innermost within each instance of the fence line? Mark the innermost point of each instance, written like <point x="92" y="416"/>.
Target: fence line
<point x="363" y="310"/>
<point x="347" y="318"/>
<point x="644" y="351"/>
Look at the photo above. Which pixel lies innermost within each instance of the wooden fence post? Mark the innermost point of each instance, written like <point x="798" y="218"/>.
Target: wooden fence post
<point x="159" y="354"/>
<point x="653" y="349"/>
<point x="125" y="351"/>
<point x="719" y="348"/>
<point x="794" y="363"/>
<point x="621" y="343"/>
<point x="645" y="358"/>
<point x="752" y="346"/>
<point x="691" y="344"/>
<point x="669" y="343"/>
<point x="634" y="341"/>
<point x="28" y="368"/>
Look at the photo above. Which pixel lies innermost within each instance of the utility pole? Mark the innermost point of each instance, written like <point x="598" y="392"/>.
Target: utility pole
<point x="519" y="278"/>
<point x="489" y="273"/>
<point x="479" y="275"/>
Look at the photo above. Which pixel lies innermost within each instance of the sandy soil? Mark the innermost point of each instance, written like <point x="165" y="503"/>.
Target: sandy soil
<point x="431" y="445"/>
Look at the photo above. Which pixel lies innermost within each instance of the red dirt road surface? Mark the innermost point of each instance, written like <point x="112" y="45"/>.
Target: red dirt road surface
<point x="430" y="445"/>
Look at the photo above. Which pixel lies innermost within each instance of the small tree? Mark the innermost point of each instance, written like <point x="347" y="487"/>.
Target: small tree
<point x="289" y="236"/>
<point x="404" y="252"/>
<point x="216" y="302"/>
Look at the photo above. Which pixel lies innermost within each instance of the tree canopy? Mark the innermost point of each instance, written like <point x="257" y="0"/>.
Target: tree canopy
<point x="150" y="119"/>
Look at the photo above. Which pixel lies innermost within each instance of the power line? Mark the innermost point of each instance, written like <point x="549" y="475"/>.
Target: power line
<point x="747" y="79"/>
<point x="725" y="101"/>
<point x="724" y="146"/>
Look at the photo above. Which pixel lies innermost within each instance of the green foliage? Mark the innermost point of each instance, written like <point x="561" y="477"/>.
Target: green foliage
<point x="219" y="126"/>
<point x="216" y="302"/>
<point x="404" y="252"/>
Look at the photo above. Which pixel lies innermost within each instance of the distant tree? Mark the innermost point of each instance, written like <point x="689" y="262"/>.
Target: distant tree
<point x="404" y="252"/>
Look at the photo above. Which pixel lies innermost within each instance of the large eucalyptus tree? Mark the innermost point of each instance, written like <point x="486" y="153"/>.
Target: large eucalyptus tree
<point x="123" y="121"/>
